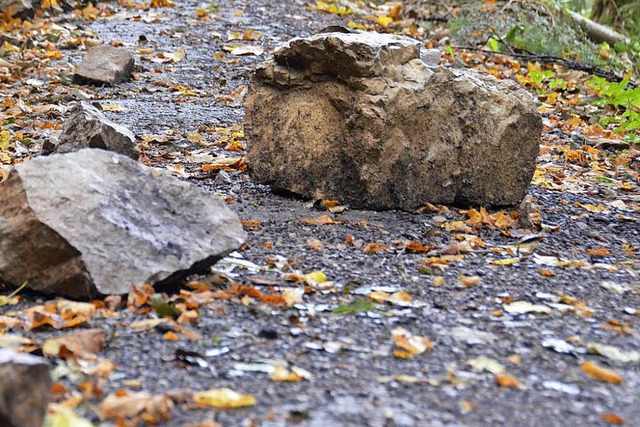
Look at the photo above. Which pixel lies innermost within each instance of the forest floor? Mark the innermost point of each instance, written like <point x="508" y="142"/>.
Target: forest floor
<point x="524" y="327"/>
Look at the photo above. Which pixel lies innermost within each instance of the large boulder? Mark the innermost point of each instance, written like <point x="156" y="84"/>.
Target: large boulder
<point x="25" y="389"/>
<point x="104" y="65"/>
<point x="87" y="127"/>
<point x="95" y="222"/>
<point x="360" y="118"/>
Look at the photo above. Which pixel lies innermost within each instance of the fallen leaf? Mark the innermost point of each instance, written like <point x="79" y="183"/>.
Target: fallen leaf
<point x="78" y="345"/>
<point x="508" y="261"/>
<point x="603" y="374"/>
<point x="146" y="324"/>
<point x="292" y="296"/>
<point x="522" y="307"/>
<point x="282" y="374"/>
<point x="223" y="398"/>
<point x="321" y="220"/>
<point x="315" y="278"/>
<point x="468" y="281"/>
<point x="506" y="380"/>
<point x="611" y="352"/>
<point x="170" y="336"/>
<point x="613" y="419"/>
<point x="486" y="364"/>
<point x="409" y="345"/>
<point x="130" y="404"/>
<point x="244" y="49"/>
<point x="60" y="416"/>
<point x="356" y="307"/>
<point x="16" y="342"/>
<point x="372" y="248"/>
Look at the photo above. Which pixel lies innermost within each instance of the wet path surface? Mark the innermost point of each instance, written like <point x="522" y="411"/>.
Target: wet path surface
<point x="355" y="379"/>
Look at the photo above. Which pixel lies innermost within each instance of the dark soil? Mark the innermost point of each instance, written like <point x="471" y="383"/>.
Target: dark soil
<point x="350" y="355"/>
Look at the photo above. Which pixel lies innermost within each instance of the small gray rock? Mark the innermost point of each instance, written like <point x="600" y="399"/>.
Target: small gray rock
<point x="104" y="65"/>
<point x="87" y="127"/>
<point x="95" y="222"/>
<point x="25" y="389"/>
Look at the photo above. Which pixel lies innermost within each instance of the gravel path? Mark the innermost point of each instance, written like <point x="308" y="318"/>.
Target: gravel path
<point x="482" y="343"/>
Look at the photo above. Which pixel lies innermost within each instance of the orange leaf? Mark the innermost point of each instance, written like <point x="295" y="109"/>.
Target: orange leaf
<point x="321" y="220"/>
<point x="251" y="223"/>
<point x="603" y="374"/>
<point x="372" y="248"/>
<point x="468" y="281"/>
<point x="416" y="246"/>
<point x="598" y="252"/>
<point x="170" y="336"/>
<point x="613" y="419"/>
<point x="546" y="273"/>
<point x="506" y="380"/>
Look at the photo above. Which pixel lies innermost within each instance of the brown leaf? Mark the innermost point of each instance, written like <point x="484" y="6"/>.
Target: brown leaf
<point x="321" y="220"/>
<point x="251" y="223"/>
<point x="372" y="248"/>
<point x="129" y="404"/>
<point x="603" y="374"/>
<point x="78" y="345"/>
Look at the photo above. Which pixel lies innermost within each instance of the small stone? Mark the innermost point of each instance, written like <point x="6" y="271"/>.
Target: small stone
<point x="25" y="389"/>
<point x="87" y="127"/>
<point x="104" y="65"/>
<point x="95" y="222"/>
<point x="268" y="333"/>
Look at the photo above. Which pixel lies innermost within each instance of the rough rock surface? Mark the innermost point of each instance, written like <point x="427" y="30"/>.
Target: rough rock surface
<point x="89" y="128"/>
<point x="25" y="389"/>
<point x="92" y="222"/>
<point x="360" y="118"/>
<point x="104" y="65"/>
<point x="15" y="7"/>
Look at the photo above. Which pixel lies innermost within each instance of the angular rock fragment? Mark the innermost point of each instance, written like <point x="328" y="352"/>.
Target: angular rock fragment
<point x="360" y="118"/>
<point x="87" y="127"/>
<point x="95" y="222"/>
<point x="104" y="65"/>
<point x="16" y="7"/>
<point x="25" y="389"/>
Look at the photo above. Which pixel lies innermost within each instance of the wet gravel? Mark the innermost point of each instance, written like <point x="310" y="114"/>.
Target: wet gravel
<point x="350" y="355"/>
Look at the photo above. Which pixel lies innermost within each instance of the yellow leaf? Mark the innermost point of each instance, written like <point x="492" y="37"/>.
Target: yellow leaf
<point x="223" y="398"/>
<point x="281" y="374"/>
<point x="384" y="20"/>
<point x="603" y="374"/>
<point x="315" y="277"/>
<point x="59" y="416"/>
<point x="409" y="345"/>
<point x="176" y="56"/>
<point x="5" y="138"/>
<point x="468" y="281"/>
<point x="162" y="3"/>
<point x="292" y="296"/>
<point x="113" y="107"/>
<point x="508" y="261"/>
